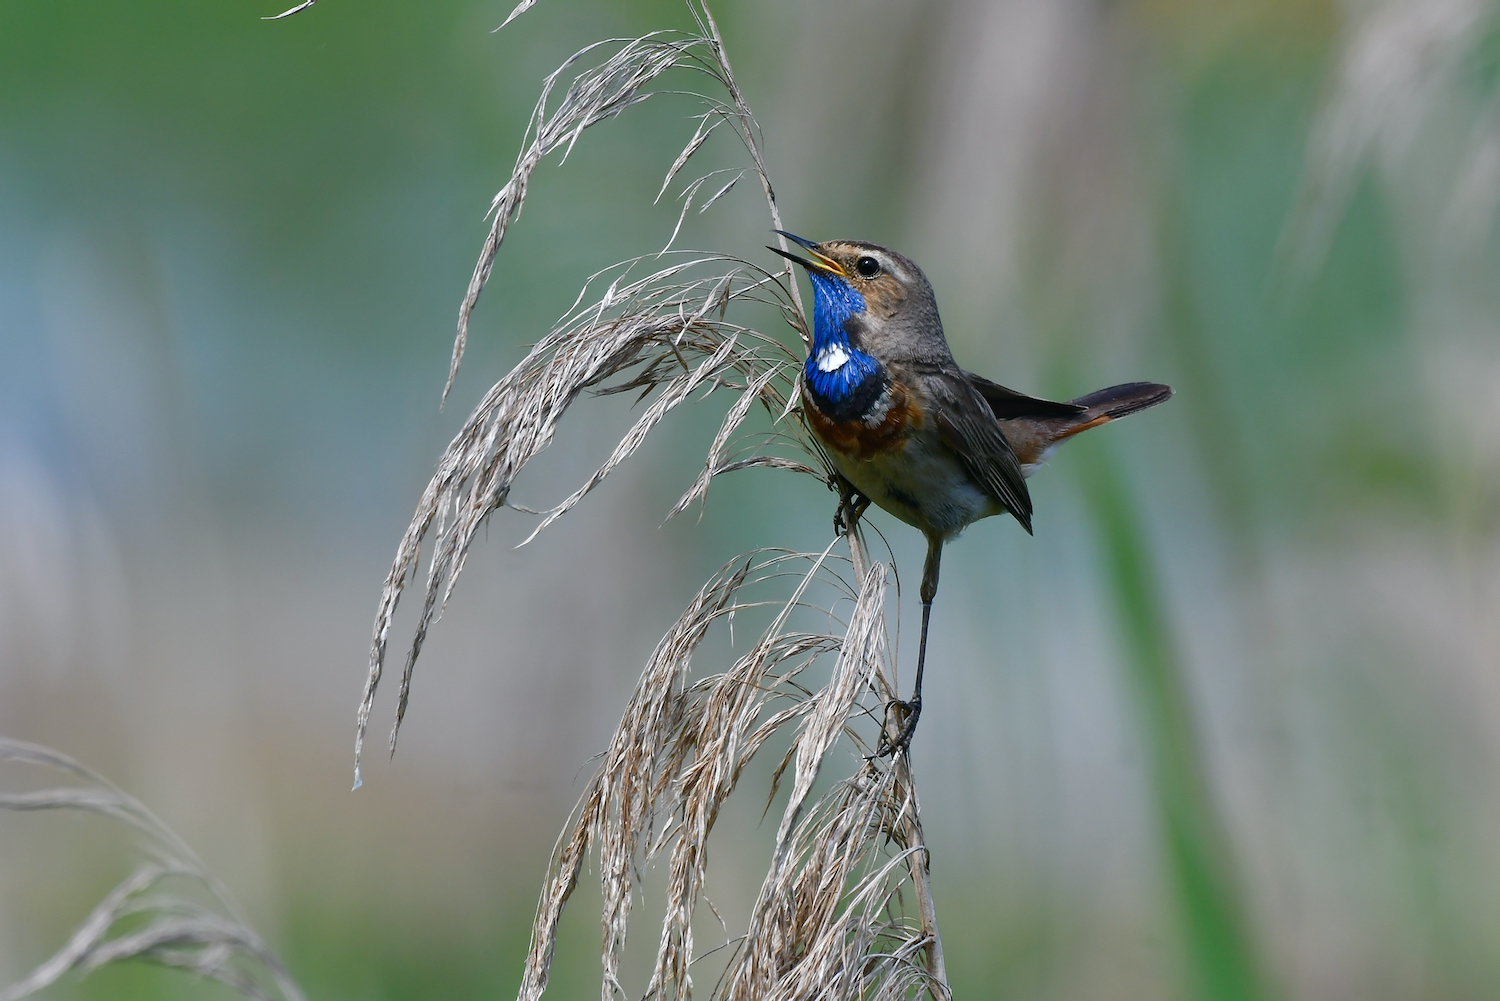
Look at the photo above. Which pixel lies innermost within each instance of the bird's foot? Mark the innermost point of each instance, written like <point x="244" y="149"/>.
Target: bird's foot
<point x="855" y="504"/>
<point x="906" y="716"/>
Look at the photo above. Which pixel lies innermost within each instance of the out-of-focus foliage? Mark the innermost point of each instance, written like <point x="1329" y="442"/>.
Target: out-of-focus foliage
<point x="231" y="255"/>
<point x="170" y="911"/>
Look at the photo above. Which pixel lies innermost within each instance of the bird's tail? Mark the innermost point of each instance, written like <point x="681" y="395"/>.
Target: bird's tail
<point x="1034" y="436"/>
<point x="1119" y="401"/>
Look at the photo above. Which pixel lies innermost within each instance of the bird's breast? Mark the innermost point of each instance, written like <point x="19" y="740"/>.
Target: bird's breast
<point x="896" y="457"/>
<point x="881" y="426"/>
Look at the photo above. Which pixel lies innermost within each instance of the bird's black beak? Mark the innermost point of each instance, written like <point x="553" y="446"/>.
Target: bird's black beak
<point x="809" y="265"/>
<point x="819" y="263"/>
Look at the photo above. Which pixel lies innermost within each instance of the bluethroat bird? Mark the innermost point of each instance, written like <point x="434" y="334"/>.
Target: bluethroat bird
<point x="908" y="429"/>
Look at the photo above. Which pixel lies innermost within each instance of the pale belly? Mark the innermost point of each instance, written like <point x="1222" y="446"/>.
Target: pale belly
<point x="923" y="483"/>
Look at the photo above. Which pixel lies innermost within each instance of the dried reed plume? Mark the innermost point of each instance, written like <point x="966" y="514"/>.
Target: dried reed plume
<point x="1398" y="69"/>
<point x="845" y="909"/>
<point x="138" y="919"/>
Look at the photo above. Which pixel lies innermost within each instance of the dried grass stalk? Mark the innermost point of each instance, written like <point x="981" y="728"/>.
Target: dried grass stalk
<point x="830" y="911"/>
<point x="668" y="329"/>
<point x="138" y="919"/>
<point x="602" y="93"/>
<point x="1398" y="67"/>
<point x="834" y="917"/>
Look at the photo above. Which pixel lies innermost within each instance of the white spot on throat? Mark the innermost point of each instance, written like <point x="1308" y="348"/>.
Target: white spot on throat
<point x="832" y="358"/>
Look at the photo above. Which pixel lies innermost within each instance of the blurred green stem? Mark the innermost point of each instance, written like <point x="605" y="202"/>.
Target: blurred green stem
<point x="1198" y="853"/>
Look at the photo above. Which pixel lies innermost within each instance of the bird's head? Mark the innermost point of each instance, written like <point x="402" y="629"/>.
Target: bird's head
<point x="871" y="299"/>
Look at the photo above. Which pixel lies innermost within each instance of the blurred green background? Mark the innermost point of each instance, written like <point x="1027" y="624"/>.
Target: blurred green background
<point x="1228" y="726"/>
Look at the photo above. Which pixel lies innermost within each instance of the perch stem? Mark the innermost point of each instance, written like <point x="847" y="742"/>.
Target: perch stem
<point x="911" y="822"/>
<point x="745" y="122"/>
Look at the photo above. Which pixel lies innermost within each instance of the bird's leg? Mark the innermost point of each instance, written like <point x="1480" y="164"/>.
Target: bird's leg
<point x="852" y="505"/>
<point x="911" y="710"/>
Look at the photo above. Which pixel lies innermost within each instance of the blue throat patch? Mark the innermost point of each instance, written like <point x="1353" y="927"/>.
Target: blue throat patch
<point x="835" y="371"/>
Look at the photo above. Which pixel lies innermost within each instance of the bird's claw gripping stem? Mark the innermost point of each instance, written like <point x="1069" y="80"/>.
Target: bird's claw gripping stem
<point x="851" y="508"/>
<point x="908" y="714"/>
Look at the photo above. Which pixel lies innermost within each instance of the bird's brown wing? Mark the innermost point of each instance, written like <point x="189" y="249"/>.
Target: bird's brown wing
<point x="968" y="426"/>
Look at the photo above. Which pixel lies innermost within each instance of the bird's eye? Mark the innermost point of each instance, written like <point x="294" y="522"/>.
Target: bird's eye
<point x="868" y="267"/>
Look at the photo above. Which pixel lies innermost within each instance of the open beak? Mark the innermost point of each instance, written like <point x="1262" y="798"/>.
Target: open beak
<point x="818" y="263"/>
